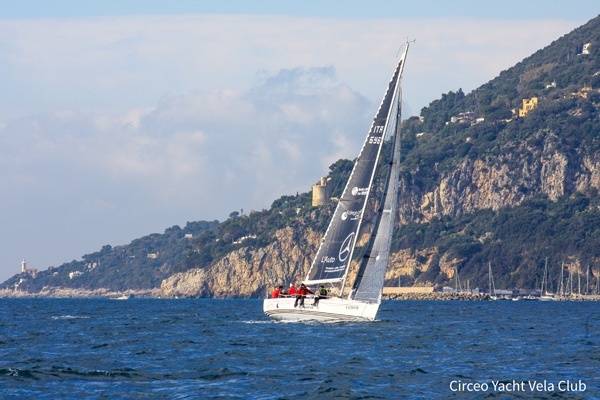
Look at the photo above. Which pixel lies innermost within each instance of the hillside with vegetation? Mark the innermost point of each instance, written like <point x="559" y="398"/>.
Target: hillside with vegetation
<point x="506" y="175"/>
<point x="484" y="184"/>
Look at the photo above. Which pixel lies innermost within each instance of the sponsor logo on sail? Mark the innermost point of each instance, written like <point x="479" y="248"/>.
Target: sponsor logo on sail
<point x="326" y="259"/>
<point x="334" y="268"/>
<point x="353" y="215"/>
<point x="345" y="248"/>
<point x="356" y="191"/>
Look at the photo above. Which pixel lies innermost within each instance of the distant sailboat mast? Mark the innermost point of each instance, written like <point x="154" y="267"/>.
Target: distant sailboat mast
<point x="562" y="271"/>
<point x="491" y="278"/>
<point x="587" y="280"/>
<point x="544" y="289"/>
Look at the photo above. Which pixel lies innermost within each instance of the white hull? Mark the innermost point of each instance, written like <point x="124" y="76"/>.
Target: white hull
<point x="330" y="309"/>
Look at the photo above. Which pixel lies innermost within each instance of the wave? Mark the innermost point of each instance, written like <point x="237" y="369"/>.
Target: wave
<point x="56" y="372"/>
<point x="69" y="317"/>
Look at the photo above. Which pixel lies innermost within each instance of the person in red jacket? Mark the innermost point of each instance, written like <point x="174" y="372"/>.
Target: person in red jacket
<point x="292" y="290"/>
<point x="301" y="295"/>
<point x="276" y="292"/>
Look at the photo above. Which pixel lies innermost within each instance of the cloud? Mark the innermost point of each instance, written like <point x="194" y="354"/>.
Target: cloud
<point x="115" y="127"/>
<point x="273" y="139"/>
<point x="194" y="156"/>
<point x="119" y="63"/>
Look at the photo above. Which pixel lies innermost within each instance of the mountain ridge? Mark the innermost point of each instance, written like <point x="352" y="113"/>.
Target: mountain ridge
<point x="479" y="184"/>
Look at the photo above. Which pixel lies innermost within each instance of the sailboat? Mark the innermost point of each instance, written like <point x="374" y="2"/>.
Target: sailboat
<point x="491" y="284"/>
<point x="561" y="289"/>
<point x="331" y="264"/>
<point x="544" y="296"/>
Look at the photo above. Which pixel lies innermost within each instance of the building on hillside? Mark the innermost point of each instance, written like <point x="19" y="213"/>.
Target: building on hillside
<point x="91" y="265"/>
<point x="467" y="117"/>
<point x="586" y="49"/>
<point x="321" y="192"/>
<point x="75" y="274"/>
<point x="240" y="240"/>
<point x="528" y="105"/>
<point x="29" y="271"/>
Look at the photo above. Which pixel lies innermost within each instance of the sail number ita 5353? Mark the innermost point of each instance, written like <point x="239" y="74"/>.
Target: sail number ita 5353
<point x="375" y="140"/>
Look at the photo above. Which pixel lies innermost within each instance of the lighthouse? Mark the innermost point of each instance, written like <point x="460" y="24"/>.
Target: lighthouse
<point x="31" y="271"/>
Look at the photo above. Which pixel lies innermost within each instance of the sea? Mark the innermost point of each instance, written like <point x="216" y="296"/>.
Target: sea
<point x="228" y="349"/>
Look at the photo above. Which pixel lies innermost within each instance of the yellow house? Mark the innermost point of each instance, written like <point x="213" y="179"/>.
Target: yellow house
<point x="528" y="105"/>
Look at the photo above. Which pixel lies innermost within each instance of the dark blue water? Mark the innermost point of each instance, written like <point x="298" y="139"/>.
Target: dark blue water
<point x="188" y="349"/>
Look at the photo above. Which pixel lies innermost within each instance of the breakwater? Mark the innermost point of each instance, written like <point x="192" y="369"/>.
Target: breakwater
<point x="435" y="296"/>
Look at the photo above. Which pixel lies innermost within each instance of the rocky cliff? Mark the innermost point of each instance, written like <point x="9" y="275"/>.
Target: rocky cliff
<point x="248" y="272"/>
<point x="501" y="181"/>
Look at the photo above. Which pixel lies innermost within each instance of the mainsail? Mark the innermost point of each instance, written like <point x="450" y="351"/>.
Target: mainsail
<point x="368" y="284"/>
<point x="333" y="258"/>
<point x="369" y="280"/>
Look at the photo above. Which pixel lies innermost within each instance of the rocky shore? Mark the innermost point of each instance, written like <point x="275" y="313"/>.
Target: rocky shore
<point x="435" y="296"/>
<point x="579" y="297"/>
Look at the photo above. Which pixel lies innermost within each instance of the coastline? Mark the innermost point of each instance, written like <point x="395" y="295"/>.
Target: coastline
<point x="103" y="293"/>
<point x="68" y="293"/>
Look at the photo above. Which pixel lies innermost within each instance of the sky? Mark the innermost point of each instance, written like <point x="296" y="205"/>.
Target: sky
<point x="119" y="119"/>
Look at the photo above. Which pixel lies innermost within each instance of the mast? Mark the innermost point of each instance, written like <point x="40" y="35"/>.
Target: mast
<point x="587" y="280"/>
<point x="562" y="269"/>
<point x="369" y="280"/>
<point x="570" y="280"/>
<point x="490" y="276"/>
<point x="544" y="289"/>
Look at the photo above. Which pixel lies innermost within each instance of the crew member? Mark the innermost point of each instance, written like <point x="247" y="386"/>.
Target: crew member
<point x="292" y="290"/>
<point x="322" y="294"/>
<point x="301" y="295"/>
<point x="276" y="292"/>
